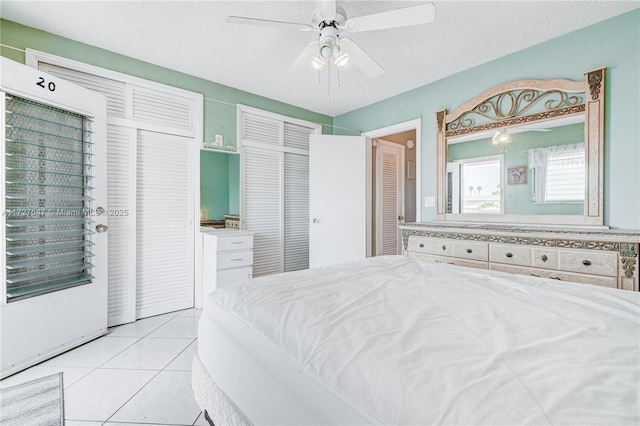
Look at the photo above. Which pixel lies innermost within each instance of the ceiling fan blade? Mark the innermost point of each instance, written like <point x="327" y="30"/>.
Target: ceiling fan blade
<point x="360" y="59"/>
<point x="268" y="23"/>
<point x="327" y="9"/>
<point x="415" y="15"/>
<point x="304" y="59"/>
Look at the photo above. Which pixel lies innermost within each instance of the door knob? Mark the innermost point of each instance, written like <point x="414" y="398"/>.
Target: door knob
<point x="100" y="228"/>
<point x="400" y="217"/>
<point x="315" y="220"/>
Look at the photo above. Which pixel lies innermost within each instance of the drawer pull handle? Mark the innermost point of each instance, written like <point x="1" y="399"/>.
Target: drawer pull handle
<point x="509" y="254"/>
<point x="236" y="242"/>
<point x="421" y="245"/>
<point x="535" y="275"/>
<point x="444" y="247"/>
<point x="556" y="278"/>
<point x="586" y="262"/>
<point x="544" y="258"/>
<point x="469" y="251"/>
<point x="236" y="259"/>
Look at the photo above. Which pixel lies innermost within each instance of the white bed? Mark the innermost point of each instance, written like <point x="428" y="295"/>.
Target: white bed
<point x="394" y="340"/>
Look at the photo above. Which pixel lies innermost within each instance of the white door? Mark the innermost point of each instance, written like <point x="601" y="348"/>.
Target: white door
<point x="53" y="192"/>
<point x="337" y="199"/>
<point x="389" y="197"/>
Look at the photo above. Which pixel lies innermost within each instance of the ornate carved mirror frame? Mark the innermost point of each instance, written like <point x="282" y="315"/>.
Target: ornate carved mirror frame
<point x="552" y="99"/>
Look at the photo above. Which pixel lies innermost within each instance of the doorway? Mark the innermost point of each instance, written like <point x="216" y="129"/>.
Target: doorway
<point x="385" y="190"/>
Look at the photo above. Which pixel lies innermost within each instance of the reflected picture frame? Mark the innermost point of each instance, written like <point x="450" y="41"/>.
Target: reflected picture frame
<point x="517" y="175"/>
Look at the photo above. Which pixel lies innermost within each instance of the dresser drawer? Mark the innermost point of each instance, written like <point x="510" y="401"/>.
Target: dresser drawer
<point x="511" y="255"/>
<point x="428" y="245"/>
<point x="235" y="259"/>
<point x="236" y="242"/>
<point x="230" y="276"/>
<point x="544" y="258"/>
<point x="588" y="262"/>
<point x="557" y="275"/>
<point x="452" y="261"/>
<point x="471" y="250"/>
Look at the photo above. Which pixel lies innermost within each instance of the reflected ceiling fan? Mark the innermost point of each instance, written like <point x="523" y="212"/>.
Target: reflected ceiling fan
<point x="331" y="23"/>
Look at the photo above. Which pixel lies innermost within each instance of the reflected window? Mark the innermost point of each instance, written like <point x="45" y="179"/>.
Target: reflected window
<point x="475" y="185"/>
<point x="558" y="173"/>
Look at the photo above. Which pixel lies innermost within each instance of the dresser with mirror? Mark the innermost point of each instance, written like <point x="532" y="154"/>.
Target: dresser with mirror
<point x="519" y="186"/>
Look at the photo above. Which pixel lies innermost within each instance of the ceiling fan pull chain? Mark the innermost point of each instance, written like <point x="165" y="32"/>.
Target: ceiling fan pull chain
<point x="329" y="82"/>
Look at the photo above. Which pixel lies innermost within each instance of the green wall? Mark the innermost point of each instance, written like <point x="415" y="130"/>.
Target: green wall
<point x="219" y="117"/>
<point x="614" y="43"/>
<point x="517" y="198"/>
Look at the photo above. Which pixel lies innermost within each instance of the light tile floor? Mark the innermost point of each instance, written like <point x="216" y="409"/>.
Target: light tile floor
<point x="139" y="373"/>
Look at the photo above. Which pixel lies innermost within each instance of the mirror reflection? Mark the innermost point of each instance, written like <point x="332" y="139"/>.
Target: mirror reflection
<point x="533" y="169"/>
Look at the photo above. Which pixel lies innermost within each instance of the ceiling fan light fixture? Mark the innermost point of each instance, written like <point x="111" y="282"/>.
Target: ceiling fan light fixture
<point x="501" y="137"/>
<point x="317" y="62"/>
<point x="342" y="59"/>
<point x="326" y="50"/>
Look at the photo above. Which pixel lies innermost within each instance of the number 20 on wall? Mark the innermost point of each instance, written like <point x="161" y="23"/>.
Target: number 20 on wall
<point x="43" y="83"/>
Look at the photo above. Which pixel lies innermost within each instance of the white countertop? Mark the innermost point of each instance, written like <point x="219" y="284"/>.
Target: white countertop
<point x="223" y="231"/>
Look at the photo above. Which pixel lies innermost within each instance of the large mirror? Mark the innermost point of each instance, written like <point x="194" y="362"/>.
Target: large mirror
<point x="524" y="152"/>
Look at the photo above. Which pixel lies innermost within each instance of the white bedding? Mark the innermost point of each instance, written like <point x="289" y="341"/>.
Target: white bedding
<point x="403" y="341"/>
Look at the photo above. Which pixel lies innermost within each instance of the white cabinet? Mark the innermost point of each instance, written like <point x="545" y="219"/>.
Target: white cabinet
<point x="227" y="257"/>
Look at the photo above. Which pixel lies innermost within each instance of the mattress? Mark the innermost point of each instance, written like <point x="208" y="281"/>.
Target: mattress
<point x="394" y="340"/>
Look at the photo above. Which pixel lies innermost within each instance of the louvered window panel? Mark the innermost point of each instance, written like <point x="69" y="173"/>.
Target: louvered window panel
<point x="389" y="204"/>
<point x="154" y="106"/>
<point x="296" y="212"/>
<point x="47" y="197"/>
<point x="256" y="128"/>
<point x="164" y="255"/>
<point x="262" y="208"/>
<point x="120" y="192"/>
<point x="296" y="136"/>
<point x="113" y="90"/>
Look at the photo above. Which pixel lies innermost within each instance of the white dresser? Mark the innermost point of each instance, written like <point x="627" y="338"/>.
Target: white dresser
<point x="607" y="258"/>
<point x="227" y="257"/>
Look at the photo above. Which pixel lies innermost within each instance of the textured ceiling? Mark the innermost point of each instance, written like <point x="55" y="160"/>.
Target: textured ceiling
<point x="193" y="37"/>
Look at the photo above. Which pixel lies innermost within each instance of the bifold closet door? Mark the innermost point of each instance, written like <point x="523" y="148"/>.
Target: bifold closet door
<point x="121" y="179"/>
<point x="164" y="249"/>
<point x="262" y="212"/>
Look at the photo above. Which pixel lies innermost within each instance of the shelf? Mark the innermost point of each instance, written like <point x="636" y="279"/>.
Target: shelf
<point x="222" y="149"/>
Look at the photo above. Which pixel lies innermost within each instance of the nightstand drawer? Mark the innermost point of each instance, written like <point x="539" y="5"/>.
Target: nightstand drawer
<point x="230" y="276"/>
<point x="234" y="259"/>
<point x="236" y="242"/>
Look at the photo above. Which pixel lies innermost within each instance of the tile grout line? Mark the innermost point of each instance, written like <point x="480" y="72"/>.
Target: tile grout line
<point x="154" y="376"/>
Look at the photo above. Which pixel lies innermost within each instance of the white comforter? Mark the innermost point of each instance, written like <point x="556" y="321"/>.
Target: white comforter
<point x="412" y="342"/>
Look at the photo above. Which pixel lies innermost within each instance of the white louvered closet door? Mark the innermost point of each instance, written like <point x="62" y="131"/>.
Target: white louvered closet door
<point x="121" y="172"/>
<point x="262" y="210"/>
<point x="164" y="230"/>
<point x="389" y="197"/>
<point x="151" y="254"/>
<point x="296" y="196"/>
<point x="275" y="191"/>
<point x="296" y="212"/>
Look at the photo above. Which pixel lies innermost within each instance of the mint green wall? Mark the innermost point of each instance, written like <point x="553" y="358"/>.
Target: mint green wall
<point x="517" y="198"/>
<point x="234" y="184"/>
<point x="614" y="43"/>
<point x="214" y="185"/>
<point x="218" y="117"/>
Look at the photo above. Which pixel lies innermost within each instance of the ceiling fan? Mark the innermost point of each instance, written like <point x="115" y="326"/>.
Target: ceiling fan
<point x="331" y="23"/>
